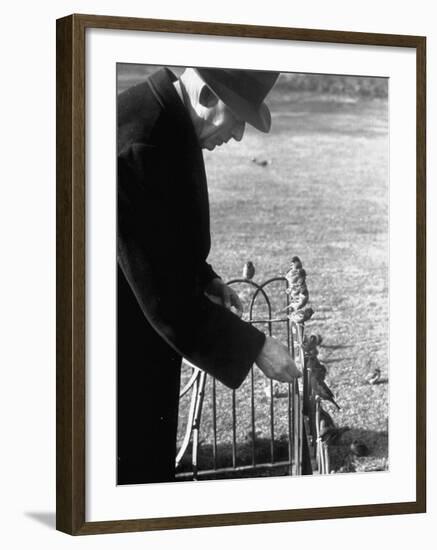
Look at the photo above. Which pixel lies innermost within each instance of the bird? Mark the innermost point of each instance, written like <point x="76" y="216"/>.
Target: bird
<point x="359" y="448"/>
<point x="374" y="377"/>
<point x="315" y="339"/>
<point x="321" y="389"/>
<point x="318" y="369"/>
<point x="248" y="270"/>
<point x="295" y="265"/>
<point x="299" y="297"/>
<point x="309" y="347"/>
<point x="331" y="434"/>
<point x="295" y="277"/>
<point x="261" y="162"/>
<point x="302" y="315"/>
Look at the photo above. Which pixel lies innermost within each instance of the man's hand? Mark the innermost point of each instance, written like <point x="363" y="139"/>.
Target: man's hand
<point x="275" y="361"/>
<point x="220" y="293"/>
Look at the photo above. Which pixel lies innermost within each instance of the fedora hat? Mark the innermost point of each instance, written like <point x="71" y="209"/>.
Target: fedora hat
<point x="243" y="91"/>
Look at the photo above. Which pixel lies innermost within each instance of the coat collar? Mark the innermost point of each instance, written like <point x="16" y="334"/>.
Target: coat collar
<point x="161" y="84"/>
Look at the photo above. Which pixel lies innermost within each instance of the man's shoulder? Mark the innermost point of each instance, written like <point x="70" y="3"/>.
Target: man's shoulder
<point x="141" y="110"/>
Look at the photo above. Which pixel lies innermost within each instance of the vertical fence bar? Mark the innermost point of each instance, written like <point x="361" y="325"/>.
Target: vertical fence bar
<point x="327" y="463"/>
<point x="190" y="422"/>
<point x="197" y="417"/>
<point x="214" y="424"/>
<point x="302" y="404"/>
<point x="234" y="431"/>
<point x="272" y="408"/>
<point x="290" y="436"/>
<point x="319" y="445"/>
<point x="272" y="425"/>
<point x="252" y="405"/>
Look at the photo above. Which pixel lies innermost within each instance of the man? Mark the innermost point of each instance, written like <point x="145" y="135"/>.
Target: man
<point x="171" y="303"/>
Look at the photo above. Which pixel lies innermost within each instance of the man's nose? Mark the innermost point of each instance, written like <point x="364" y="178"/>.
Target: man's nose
<point x="238" y="131"/>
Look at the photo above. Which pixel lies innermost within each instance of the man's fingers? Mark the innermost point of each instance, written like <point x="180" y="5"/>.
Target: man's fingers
<point x="236" y="302"/>
<point x="226" y="298"/>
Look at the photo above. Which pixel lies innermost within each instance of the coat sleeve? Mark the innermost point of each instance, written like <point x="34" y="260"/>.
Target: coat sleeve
<point x="207" y="274"/>
<point x="152" y="261"/>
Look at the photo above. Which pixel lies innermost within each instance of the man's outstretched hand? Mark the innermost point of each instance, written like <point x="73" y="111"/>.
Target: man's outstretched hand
<point x="274" y="358"/>
<point x="220" y="293"/>
<point x="275" y="361"/>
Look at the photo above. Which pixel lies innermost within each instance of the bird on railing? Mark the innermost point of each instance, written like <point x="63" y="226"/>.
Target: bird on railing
<point x="318" y="369"/>
<point x="315" y="339"/>
<point x="321" y="389"/>
<point x="302" y="315"/>
<point x="295" y="274"/>
<point x="295" y="264"/>
<point x="248" y="270"/>
<point x="374" y="377"/>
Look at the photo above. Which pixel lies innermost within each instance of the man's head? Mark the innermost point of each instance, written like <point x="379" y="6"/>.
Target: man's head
<point x="221" y="101"/>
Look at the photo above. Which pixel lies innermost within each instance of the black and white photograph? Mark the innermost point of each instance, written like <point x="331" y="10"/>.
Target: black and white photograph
<point x="252" y="274"/>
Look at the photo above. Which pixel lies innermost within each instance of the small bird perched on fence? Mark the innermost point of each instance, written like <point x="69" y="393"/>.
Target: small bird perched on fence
<point x="248" y="270"/>
<point x="302" y="315"/>
<point x="320" y="388"/>
<point x="374" y="377"/>
<point x="295" y="263"/>
<point x="315" y="339"/>
<point x="318" y="369"/>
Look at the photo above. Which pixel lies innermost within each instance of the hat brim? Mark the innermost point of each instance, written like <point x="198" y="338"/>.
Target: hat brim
<point x="257" y="116"/>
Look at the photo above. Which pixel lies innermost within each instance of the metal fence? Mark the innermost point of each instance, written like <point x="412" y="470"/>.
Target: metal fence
<point x="278" y="306"/>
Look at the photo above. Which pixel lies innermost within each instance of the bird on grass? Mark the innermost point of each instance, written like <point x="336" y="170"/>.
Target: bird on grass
<point x="359" y="448"/>
<point x="321" y="389"/>
<point x="374" y="377"/>
<point x="248" y="270"/>
<point x="261" y="162"/>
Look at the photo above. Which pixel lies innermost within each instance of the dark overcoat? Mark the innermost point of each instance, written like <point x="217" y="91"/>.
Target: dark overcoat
<point x="163" y="242"/>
